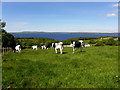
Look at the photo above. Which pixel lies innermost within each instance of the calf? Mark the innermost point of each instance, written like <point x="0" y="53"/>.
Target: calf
<point x="87" y="45"/>
<point x="18" y="48"/>
<point x="77" y="44"/>
<point x="48" y="45"/>
<point x="43" y="47"/>
<point x="34" y="47"/>
<point x="58" y="46"/>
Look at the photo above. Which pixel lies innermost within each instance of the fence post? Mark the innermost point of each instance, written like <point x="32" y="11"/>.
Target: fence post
<point x="5" y="50"/>
<point x="2" y="49"/>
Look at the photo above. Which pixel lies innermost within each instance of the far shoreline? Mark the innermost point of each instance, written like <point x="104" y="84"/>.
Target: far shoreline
<point x="27" y="32"/>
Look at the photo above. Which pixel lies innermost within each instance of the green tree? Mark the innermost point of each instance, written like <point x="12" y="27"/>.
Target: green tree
<point x="2" y="24"/>
<point x="8" y="39"/>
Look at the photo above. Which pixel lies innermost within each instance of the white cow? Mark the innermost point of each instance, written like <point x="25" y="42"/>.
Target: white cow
<point x="87" y="45"/>
<point x="52" y="44"/>
<point x="43" y="47"/>
<point x="18" y="48"/>
<point x="58" y="46"/>
<point x="34" y="47"/>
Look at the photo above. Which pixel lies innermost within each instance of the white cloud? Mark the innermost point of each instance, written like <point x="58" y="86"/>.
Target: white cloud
<point x="116" y="5"/>
<point x="110" y="15"/>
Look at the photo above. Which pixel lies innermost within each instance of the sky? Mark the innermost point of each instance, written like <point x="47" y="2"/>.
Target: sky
<point x="60" y="0"/>
<point x="60" y="16"/>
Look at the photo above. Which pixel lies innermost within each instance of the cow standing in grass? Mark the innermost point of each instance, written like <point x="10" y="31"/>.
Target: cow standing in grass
<point x="58" y="46"/>
<point x="18" y="48"/>
<point x="77" y="44"/>
<point x="43" y="47"/>
<point x="47" y="46"/>
<point x="34" y="47"/>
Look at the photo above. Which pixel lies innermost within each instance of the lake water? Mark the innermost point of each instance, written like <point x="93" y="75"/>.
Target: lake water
<point x="59" y="36"/>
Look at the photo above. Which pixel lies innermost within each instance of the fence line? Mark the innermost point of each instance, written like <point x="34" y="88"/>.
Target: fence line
<point x="6" y="49"/>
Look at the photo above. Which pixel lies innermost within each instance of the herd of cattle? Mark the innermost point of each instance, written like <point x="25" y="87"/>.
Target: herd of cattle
<point x="57" y="46"/>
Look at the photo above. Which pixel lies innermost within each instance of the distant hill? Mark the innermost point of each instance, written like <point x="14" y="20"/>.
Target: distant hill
<point x="27" y="32"/>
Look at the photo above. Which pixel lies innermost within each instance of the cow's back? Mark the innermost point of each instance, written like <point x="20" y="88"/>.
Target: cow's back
<point x="77" y="44"/>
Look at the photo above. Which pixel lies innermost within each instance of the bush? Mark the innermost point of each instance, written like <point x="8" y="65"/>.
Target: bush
<point x="92" y="41"/>
<point x="110" y="42"/>
<point x="67" y="42"/>
<point x="99" y="43"/>
<point x="8" y="40"/>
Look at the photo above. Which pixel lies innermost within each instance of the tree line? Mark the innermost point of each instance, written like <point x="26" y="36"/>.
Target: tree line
<point x="8" y="40"/>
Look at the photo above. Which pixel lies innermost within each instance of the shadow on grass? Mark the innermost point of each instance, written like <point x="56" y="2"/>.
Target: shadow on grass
<point x="78" y="52"/>
<point x="65" y="52"/>
<point x="62" y="53"/>
<point x="82" y="51"/>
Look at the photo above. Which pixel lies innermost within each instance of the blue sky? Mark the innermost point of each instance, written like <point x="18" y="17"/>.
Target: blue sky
<point x="61" y="16"/>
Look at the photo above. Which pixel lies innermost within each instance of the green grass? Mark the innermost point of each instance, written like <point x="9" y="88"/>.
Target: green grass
<point x="96" y="67"/>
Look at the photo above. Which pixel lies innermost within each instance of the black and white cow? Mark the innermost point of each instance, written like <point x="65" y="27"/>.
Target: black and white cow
<point x="58" y="46"/>
<point x="49" y="45"/>
<point x="77" y="44"/>
<point x="46" y="46"/>
<point x="18" y="48"/>
<point x="43" y="47"/>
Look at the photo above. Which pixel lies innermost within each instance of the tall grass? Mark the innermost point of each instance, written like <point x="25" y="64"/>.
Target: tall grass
<point x="96" y="67"/>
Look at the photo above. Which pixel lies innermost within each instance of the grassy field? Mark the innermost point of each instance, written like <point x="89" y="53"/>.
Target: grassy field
<point x="96" y="67"/>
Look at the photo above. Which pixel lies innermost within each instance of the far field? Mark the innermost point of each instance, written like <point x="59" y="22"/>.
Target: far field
<point x="96" y="67"/>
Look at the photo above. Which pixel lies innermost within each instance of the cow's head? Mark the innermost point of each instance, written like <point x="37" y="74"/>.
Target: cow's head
<point x="81" y="41"/>
<point x="60" y="43"/>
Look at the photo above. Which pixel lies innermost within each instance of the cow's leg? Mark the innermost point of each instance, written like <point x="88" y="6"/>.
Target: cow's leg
<point x="81" y="49"/>
<point x="18" y="50"/>
<point x="14" y="51"/>
<point x="61" y="50"/>
<point x="45" y="47"/>
<point x="55" y="50"/>
<point x="73" y="50"/>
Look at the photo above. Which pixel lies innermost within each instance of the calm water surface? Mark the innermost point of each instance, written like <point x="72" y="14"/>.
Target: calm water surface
<point x="59" y="36"/>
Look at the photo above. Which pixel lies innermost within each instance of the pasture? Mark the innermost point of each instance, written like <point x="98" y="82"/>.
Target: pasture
<point x="96" y="67"/>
